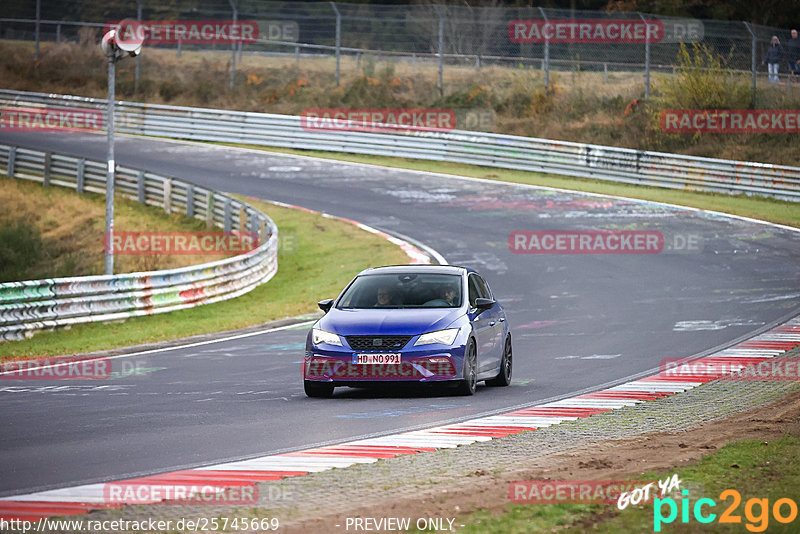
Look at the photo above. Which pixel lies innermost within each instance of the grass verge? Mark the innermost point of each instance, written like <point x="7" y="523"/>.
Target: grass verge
<point x="324" y="256"/>
<point x="756" y="469"/>
<point x="767" y="209"/>
<point x="51" y="232"/>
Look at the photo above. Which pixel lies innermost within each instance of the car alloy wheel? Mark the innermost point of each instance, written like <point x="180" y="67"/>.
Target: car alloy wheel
<point x="503" y="378"/>
<point x="470" y="382"/>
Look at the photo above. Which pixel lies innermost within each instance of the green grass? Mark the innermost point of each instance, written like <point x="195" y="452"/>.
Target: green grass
<point x="325" y="255"/>
<point x="767" y="209"/>
<point x="63" y="232"/>
<point x="756" y="469"/>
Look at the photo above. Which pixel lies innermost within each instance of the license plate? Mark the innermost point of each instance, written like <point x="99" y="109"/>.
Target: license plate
<point x="377" y="358"/>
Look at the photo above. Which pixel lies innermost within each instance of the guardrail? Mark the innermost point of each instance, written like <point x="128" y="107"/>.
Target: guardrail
<point x="658" y="169"/>
<point x="29" y="306"/>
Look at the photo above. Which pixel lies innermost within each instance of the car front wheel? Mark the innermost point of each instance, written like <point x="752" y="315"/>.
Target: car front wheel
<point x="470" y="382"/>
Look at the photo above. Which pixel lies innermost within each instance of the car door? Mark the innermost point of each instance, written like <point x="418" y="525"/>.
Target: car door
<point x="496" y="318"/>
<point x="483" y="325"/>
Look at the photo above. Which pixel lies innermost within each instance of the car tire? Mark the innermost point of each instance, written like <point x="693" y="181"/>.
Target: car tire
<point x="318" y="389"/>
<point x="503" y="378"/>
<point x="470" y="382"/>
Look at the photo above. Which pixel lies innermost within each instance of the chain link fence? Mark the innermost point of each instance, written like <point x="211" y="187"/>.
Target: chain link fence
<point x="444" y="36"/>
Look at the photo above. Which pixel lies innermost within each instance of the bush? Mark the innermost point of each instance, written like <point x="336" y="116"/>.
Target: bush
<point x="170" y="89"/>
<point x="20" y="247"/>
<point x="702" y="81"/>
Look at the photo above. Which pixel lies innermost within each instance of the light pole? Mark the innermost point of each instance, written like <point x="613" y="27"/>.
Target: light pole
<point x="116" y="44"/>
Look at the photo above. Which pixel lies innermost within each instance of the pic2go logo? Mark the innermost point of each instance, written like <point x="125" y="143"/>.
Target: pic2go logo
<point x="756" y="511"/>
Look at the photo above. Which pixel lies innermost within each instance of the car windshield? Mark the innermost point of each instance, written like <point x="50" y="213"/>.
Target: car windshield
<point x="403" y="290"/>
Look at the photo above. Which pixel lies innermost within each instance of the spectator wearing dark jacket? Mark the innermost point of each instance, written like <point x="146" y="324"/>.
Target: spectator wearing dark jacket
<point x="773" y="58"/>
<point x="793" y="54"/>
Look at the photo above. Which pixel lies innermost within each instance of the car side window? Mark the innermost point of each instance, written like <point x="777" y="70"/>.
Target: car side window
<point x="483" y="288"/>
<point x="474" y="291"/>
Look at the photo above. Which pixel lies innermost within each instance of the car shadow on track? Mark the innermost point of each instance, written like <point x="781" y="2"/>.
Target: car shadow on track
<point x="405" y="391"/>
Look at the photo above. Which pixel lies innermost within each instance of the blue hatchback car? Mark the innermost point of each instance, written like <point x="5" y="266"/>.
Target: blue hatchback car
<point x="410" y="324"/>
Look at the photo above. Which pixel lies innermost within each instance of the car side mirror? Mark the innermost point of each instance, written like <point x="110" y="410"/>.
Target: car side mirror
<point x="484" y="304"/>
<point x="325" y="305"/>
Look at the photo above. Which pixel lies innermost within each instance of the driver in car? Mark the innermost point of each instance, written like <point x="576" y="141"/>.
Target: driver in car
<point x="385" y="297"/>
<point x="448" y="294"/>
<point x="446" y="297"/>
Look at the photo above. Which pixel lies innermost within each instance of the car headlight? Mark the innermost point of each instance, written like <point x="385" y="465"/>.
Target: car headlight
<point x="321" y="336"/>
<point x="444" y="337"/>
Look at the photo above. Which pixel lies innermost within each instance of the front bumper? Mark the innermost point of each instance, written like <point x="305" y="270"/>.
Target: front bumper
<point x="435" y="363"/>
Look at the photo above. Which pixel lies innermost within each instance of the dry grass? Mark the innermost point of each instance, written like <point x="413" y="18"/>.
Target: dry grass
<point x="579" y="106"/>
<point x="72" y="227"/>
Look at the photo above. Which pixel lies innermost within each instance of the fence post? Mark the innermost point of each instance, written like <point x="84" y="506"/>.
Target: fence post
<point x="338" y="39"/>
<point x="227" y="220"/>
<point x="168" y="195"/>
<point x="138" y="56"/>
<point x="141" y="194"/>
<point x="36" y="31"/>
<point x="58" y="34"/>
<point x="190" y="201"/>
<point x="80" y="175"/>
<point x="262" y="232"/>
<point x="752" y="65"/>
<point x="440" y="83"/>
<point x="253" y="224"/>
<point x="48" y="157"/>
<point x="242" y="219"/>
<point x="233" y="45"/>
<point x="646" y="57"/>
<point x="12" y="159"/>
<point x="546" y="60"/>
<point x="210" y="209"/>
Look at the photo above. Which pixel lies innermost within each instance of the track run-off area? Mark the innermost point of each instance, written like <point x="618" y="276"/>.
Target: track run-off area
<point x="578" y="321"/>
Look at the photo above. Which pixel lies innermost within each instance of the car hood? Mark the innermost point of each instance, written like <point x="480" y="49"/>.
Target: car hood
<point x="406" y="321"/>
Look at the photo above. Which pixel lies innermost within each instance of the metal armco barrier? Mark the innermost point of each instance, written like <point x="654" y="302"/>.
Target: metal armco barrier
<point x="658" y="169"/>
<point x="28" y="306"/>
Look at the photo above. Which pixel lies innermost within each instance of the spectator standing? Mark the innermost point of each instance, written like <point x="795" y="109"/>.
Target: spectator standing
<point x="773" y="58"/>
<point x="793" y="54"/>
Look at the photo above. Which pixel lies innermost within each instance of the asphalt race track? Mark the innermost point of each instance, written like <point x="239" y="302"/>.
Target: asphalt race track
<point x="578" y="320"/>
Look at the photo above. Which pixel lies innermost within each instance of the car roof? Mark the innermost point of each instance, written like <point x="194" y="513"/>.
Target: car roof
<point x="417" y="268"/>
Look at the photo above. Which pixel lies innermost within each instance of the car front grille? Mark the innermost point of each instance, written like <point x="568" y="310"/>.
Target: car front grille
<point x="377" y="343"/>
